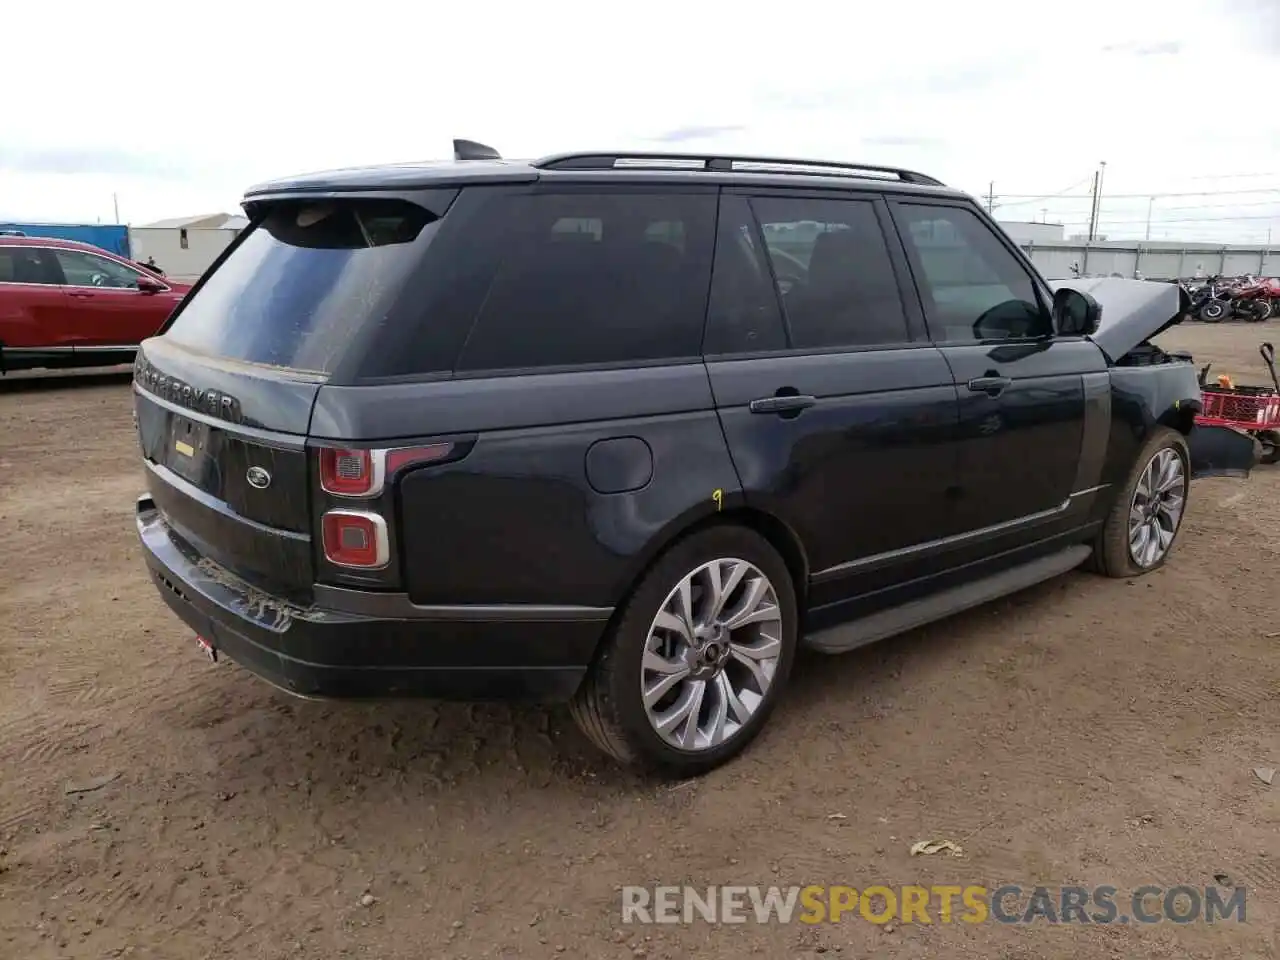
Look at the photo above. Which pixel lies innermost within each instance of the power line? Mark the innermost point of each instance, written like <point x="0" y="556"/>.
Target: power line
<point x="1081" y="216"/>
<point x="1234" y="176"/>
<point x="1275" y="217"/>
<point x="1052" y="196"/>
<point x="1023" y="198"/>
<point x="1226" y="206"/>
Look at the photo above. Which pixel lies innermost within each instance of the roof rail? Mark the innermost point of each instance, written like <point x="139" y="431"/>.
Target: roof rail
<point x="719" y="162"/>
<point x="470" y="150"/>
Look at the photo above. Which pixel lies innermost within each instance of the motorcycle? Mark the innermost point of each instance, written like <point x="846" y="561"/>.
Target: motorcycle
<point x="1208" y="301"/>
<point x="1252" y="300"/>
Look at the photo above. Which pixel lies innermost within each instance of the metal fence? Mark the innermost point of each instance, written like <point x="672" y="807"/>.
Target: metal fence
<point x="1152" y="261"/>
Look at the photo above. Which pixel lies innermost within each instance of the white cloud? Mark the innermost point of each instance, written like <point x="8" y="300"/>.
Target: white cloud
<point x="177" y="110"/>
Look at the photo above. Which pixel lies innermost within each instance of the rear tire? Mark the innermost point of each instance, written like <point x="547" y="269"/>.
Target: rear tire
<point x="725" y="694"/>
<point x="1121" y="548"/>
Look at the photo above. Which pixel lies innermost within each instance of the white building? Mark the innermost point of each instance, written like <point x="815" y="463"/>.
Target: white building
<point x="184" y="247"/>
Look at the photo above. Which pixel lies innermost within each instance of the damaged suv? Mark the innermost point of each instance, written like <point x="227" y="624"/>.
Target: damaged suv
<point x="626" y="430"/>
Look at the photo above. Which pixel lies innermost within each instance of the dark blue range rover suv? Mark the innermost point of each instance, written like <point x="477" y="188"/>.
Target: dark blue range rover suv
<point x="624" y="430"/>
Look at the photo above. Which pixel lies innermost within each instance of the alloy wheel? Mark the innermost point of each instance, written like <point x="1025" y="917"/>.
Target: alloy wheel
<point x="711" y="654"/>
<point x="1156" y="508"/>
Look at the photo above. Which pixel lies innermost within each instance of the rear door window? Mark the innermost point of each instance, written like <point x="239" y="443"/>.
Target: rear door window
<point x="303" y="280"/>
<point x="831" y="264"/>
<point x="29" y="265"/>
<point x="744" y="315"/>
<point x="596" y="279"/>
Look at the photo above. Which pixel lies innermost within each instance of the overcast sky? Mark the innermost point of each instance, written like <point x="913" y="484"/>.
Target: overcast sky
<point x="176" y="107"/>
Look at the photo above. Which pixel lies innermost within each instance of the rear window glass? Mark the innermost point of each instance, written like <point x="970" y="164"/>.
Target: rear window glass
<point x="596" y="279"/>
<point x="302" y="281"/>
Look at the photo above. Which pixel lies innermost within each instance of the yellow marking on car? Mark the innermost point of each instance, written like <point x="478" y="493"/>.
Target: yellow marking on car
<point x="186" y="449"/>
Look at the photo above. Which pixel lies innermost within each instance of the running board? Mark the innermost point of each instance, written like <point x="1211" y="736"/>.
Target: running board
<point x="886" y="623"/>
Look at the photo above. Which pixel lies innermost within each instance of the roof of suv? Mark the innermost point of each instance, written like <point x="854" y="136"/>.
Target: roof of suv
<point x="710" y="168"/>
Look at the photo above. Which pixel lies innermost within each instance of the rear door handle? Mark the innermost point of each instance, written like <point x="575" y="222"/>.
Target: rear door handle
<point x="992" y="386"/>
<point x="787" y="403"/>
<point x="81" y="294"/>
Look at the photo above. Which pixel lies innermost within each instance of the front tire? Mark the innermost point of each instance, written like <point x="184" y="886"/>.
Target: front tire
<point x="697" y="658"/>
<point x="1213" y="311"/>
<point x="1147" y="515"/>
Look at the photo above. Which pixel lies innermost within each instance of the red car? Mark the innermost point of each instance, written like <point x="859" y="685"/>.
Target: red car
<point x="68" y="304"/>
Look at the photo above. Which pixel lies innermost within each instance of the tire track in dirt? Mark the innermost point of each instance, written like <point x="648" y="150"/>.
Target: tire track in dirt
<point x="78" y="691"/>
<point x="44" y="742"/>
<point x="16" y="818"/>
<point x="110" y="902"/>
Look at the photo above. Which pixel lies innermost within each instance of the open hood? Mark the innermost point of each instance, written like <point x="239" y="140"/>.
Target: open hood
<point x="1132" y="310"/>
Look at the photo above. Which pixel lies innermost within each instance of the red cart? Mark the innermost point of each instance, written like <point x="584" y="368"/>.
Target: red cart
<point x="1254" y="410"/>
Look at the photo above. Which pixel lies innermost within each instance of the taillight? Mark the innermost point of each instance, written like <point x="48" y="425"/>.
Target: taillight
<point x="357" y="539"/>
<point x="354" y="538"/>
<point x="406" y="456"/>
<point x="350" y="473"/>
<point x="361" y="473"/>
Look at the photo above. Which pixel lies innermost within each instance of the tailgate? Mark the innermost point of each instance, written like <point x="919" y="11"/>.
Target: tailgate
<point x="226" y="461"/>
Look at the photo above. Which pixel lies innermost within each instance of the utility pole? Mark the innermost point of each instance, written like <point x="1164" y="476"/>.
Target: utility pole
<point x="1096" y="210"/>
<point x="1151" y="202"/>
<point x="1093" y="208"/>
<point x="991" y="197"/>
<point x="115" y="202"/>
<point x="1044" y="214"/>
<point x="1102" y="172"/>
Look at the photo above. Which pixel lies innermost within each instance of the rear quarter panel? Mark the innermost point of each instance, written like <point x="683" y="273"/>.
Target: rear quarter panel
<point x="523" y="519"/>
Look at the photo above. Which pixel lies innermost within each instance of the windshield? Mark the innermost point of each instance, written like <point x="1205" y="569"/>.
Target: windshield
<point x="302" y="281"/>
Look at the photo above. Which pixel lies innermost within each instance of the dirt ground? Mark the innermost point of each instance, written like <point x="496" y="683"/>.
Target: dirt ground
<point x="1085" y="732"/>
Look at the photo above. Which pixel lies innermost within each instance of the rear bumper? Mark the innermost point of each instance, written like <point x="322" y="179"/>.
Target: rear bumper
<point x="356" y="644"/>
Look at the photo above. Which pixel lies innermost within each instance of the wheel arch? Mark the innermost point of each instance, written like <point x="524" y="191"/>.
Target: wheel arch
<point x="1180" y="415"/>
<point x="776" y="532"/>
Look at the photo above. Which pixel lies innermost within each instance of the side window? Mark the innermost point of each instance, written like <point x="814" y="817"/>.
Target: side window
<point x="832" y="266"/>
<point x="743" y="315"/>
<point x="87" y="270"/>
<point x="27" y="265"/>
<point x="973" y="287"/>
<point x="596" y="278"/>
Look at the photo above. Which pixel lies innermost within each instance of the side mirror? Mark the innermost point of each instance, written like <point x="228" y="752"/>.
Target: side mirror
<point x="1075" y="314"/>
<point x="147" y="285"/>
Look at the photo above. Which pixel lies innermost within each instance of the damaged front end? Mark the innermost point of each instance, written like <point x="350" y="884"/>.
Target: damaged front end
<point x="1132" y="312"/>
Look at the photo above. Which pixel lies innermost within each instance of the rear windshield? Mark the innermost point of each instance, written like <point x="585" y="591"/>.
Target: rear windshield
<point x="304" y="279"/>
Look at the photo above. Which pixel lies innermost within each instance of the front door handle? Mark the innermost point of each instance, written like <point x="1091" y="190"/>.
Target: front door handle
<point x="81" y="294"/>
<point x="991" y="385"/>
<point x="783" y="404"/>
